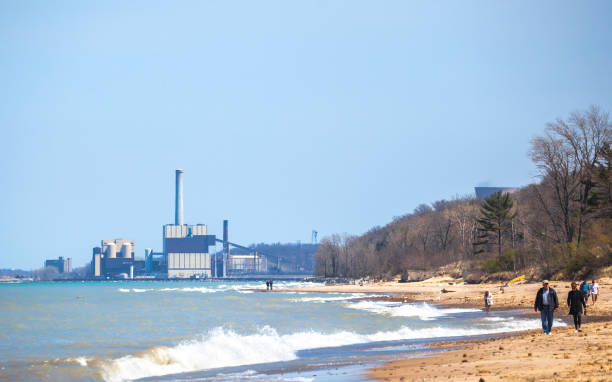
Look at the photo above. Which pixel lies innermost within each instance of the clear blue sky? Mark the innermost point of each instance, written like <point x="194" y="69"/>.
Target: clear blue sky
<point x="287" y="116"/>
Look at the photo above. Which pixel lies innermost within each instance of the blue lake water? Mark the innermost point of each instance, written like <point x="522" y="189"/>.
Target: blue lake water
<point x="215" y="331"/>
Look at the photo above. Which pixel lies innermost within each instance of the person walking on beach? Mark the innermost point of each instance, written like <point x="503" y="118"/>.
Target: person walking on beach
<point x="488" y="300"/>
<point x="594" y="290"/>
<point x="267" y="285"/>
<point x="271" y="283"/>
<point x="575" y="301"/>
<point x="585" y="288"/>
<point x="547" y="303"/>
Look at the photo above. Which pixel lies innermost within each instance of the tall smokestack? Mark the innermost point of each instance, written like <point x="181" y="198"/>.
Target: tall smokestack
<point x="178" y="208"/>
<point x="225" y="247"/>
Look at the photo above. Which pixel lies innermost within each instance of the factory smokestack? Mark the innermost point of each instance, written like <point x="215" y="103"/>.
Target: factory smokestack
<point x="225" y="247"/>
<point x="178" y="208"/>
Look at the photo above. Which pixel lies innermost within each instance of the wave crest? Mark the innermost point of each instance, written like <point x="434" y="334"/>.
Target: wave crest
<point x="225" y="348"/>
<point x="397" y="309"/>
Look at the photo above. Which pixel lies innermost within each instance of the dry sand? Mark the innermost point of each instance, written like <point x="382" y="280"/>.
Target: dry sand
<point x="526" y="356"/>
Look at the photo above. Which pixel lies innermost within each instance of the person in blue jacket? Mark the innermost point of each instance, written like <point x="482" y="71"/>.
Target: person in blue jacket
<point x="547" y="303"/>
<point x="585" y="288"/>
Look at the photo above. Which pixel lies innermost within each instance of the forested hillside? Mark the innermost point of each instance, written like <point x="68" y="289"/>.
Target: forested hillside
<point x="559" y="226"/>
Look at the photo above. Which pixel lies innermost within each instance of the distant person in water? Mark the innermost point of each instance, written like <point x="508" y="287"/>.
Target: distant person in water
<point x="488" y="300"/>
<point x="594" y="291"/>
<point x="547" y="303"/>
<point x="576" y="301"/>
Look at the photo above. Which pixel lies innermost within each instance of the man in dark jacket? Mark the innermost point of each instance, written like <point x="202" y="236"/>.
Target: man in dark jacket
<point x="547" y="303"/>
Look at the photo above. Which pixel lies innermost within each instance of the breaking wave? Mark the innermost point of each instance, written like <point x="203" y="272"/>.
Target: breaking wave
<point x="397" y="309"/>
<point x="225" y="348"/>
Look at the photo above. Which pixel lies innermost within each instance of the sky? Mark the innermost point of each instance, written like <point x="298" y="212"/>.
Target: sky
<point x="286" y="116"/>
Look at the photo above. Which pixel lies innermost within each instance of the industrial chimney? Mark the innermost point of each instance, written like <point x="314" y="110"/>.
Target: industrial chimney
<point x="225" y="247"/>
<point x="178" y="208"/>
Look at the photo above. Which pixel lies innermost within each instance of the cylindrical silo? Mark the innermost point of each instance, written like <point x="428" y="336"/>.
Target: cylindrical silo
<point x="111" y="251"/>
<point x="126" y="250"/>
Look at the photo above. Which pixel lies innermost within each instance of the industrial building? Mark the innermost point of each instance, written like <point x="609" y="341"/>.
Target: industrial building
<point x="243" y="264"/>
<point x="186" y="247"/>
<point x="155" y="263"/>
<point x="186" y="250"/>
<point x="114" y="258"/>
<point x="485" y="192"/>
<point x="62" y="265"/>
<point x="186" y="253"/>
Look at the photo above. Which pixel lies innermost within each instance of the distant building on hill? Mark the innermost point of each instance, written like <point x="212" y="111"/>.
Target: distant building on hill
<point x="484" y="192"/>
<point x="62" y="265"/>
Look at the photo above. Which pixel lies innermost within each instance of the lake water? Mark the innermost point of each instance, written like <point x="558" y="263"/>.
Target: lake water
<point x="215" y="331"/>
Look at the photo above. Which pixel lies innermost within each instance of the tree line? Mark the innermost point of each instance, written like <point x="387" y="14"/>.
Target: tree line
<point x="560" y="225"/>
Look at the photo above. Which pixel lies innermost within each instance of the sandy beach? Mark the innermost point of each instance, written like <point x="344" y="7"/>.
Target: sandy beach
<point x="525" y="356"/>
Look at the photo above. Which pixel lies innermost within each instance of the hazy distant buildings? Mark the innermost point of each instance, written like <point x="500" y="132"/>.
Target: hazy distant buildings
<point x="484" y="192"/>
<point x="242" y="264"/>
<point x="62" y="265"/>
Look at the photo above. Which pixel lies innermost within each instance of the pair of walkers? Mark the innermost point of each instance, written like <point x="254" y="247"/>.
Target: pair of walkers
<point x="591" y="290"/>
<point x="547" y="303"/>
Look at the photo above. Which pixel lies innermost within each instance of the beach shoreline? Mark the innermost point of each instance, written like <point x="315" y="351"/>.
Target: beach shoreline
<point x="527" y="355"/>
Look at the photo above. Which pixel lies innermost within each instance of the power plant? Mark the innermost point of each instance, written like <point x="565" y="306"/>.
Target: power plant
<point x="114" y="258"/>
<point x="186" y="253"/>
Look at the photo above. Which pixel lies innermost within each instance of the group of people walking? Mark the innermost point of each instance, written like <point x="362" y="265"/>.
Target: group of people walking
<point x="547" y="303"/>
<point x="269" y="285"/>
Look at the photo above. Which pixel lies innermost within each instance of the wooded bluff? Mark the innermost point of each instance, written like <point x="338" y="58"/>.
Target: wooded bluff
<point x="560" y="226"/>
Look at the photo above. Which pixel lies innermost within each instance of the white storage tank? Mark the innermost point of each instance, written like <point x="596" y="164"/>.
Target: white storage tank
<point x="126" y="250"/>
<point x="111" y="251"/>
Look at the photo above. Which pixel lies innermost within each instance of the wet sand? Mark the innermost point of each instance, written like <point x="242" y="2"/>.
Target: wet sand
<point x="527" y="356"/>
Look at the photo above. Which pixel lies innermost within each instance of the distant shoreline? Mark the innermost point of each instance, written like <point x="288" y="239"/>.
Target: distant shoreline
<point x="262" y="278"/>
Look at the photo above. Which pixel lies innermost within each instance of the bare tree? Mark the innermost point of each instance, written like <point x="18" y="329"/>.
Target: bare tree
<point x="566" y="158"/>
<point x="560" y="183"/>
<point x="464" y="217"/>
<point x="45" y="274"/>
<point x="586" y="134"/>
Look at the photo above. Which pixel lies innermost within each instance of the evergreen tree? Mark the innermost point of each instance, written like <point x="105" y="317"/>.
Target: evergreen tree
<point x="601" y="198"/>
<point x="496" y="218"/>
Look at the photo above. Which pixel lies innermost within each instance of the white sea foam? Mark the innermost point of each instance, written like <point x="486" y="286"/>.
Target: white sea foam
<point x="495" y="318"/>
<point x="324" y="299"/>
<point x="213" y="287"/>
<point x="186" y="289"/>
<point x="78" y="360"/>
<point x="224" y="348"/>
<point x="134" y="290"/>
<point x="397" y="309"/>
